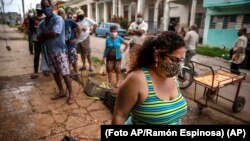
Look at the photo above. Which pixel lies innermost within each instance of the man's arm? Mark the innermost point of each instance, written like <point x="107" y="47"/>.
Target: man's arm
<point x="56" y="29"/>
<point x="94" y="29"/>
<point x="94" y="24"/>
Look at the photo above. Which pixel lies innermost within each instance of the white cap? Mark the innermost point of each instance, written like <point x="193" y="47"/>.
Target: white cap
<point x="79" y="12"/>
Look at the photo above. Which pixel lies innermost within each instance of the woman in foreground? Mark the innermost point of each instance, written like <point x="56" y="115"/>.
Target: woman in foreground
<point x="150" y="93"/>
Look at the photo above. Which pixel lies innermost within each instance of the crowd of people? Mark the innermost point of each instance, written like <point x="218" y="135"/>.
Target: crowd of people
<point x="153" y="62"/>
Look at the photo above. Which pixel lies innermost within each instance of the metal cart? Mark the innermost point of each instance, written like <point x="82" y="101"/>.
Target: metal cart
<point x="212" y="81"/>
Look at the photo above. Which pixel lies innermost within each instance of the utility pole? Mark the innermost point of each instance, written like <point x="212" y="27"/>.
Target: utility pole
<point x="3" y="15"/>
<point x="23" y="8"/>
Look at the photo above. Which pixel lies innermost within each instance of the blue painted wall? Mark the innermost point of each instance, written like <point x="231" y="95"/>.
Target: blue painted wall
<point x="219" y="37"/>
<point x="216" y="3"/>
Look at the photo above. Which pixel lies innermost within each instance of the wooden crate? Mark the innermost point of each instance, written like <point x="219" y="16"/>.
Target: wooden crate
<point x="92" y="88"/>
<point x="109" y="100"/>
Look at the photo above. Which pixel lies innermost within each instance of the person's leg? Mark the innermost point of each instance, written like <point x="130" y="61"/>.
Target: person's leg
<point x="87" y="50"/>
<point x="108" y="67"/>
<point x="188" y="56"/>
<point x="53" y="64"/>
<point x="58" y="81"/>
<point x="62" y="67"/>
<point x="37" y="48"/>
<point x="67" y="81"/>
<point x="30" y="42"/>
<point x="117" y="65"/>
<point x="83" y="56"/>
<point x="73" y="59"/>
<point x="74" y="65"/>
<point x="90" y="63"/>
<point x="234" y="68"/>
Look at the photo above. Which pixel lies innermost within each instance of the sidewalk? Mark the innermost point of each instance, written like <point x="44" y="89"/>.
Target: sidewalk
<point x="18" y="61"/>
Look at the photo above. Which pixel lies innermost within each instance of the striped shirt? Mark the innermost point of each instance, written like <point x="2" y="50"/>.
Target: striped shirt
<point x="157" y="111"/>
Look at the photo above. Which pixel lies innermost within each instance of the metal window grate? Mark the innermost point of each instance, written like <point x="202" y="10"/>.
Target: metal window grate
<point x="246" y="19"/>
<point x="226" y="21"/>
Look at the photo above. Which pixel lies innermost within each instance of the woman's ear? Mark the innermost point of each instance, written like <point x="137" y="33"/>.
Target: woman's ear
<point x="156" y="56"/>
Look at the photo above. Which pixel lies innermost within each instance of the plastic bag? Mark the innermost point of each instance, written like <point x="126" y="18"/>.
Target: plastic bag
<point x="103" y="70"/>
<point x="125" y="57"/>
<point x="44" y="61"/>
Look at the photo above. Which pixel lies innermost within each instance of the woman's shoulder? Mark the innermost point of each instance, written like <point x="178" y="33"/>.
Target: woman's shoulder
<point x="134" y="79"/>
<point x="137" y="74"/>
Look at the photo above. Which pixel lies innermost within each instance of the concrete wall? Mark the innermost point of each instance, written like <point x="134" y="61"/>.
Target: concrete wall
<point x="219" y="37"/>
<point x="222" y="37"/>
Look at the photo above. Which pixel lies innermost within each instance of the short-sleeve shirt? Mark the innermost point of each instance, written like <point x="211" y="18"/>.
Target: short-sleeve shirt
<point x="70" y="25"/>
<point x="86" y="23"/>
<point x="191" y="39"/>
<point x="240" y="56"/>
<point x="56" y="24"/>
<point x="134" y="26"/>
<point x="116" y="44"/>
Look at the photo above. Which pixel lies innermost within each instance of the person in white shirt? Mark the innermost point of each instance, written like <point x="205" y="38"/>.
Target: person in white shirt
<point x="137" y="30"/>
<point x="191" y="40"/>
<point x="83" y="47"/>
<point x="238" y="52"/>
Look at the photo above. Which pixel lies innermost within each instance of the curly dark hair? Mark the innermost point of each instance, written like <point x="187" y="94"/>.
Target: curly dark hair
<point x="166" y="43"/>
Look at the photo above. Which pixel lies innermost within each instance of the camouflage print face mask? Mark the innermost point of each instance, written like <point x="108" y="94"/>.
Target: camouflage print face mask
<point x="170" y="70"/>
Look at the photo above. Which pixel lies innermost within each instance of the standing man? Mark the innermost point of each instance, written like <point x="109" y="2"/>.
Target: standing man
<point x="83" y="47"/>
<point x="33" y="24"/>
<point x="137" y="30"/>
<point x="191" y="40"/>
<point x="239" y="50"/>
<point x="51" y="32"/>
<point x="72" y="34"/>
<point x="27" y="26"/>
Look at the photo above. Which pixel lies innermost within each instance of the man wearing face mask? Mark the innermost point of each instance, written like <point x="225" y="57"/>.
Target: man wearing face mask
<point x="51" y="33"/>
<point x="33" y="26"/>
<point x="83" y="47"/>
<point x="137" y="30"/>
<point x="238" y="52"/>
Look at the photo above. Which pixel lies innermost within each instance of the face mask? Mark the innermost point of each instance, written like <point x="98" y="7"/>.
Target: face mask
<point x="48" y="11"/>
<point x="139" y="20"/>
<point x="30" y="14"/>
<point x="39" y="12"/>
<point x="170" y="70"/>
<point x="113" y="34"/>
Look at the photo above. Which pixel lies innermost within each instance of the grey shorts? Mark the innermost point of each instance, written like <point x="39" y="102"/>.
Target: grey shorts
<point x="83" y="48"/>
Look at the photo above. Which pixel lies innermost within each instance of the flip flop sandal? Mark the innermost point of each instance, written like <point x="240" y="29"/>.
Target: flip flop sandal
<point x="82" y="68"/>
<point x="58" y="96"/>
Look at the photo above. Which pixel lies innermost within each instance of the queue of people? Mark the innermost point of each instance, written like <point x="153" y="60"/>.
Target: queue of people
<point x="152" y="65"/>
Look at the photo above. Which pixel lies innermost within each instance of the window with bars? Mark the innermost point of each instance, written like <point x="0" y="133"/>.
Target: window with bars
<point x="199" y="19"/>
<point x="230" y="21"/>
